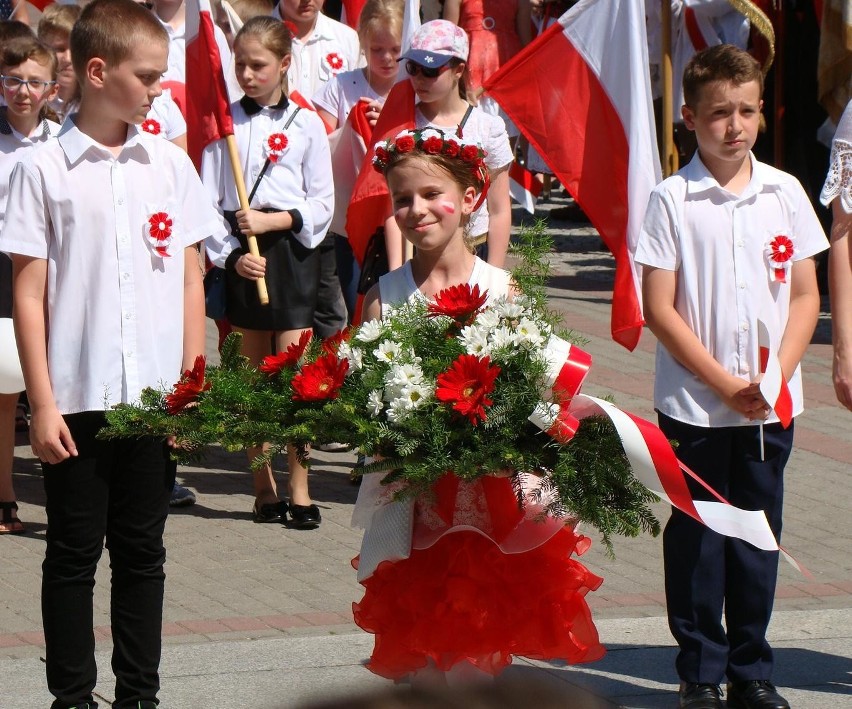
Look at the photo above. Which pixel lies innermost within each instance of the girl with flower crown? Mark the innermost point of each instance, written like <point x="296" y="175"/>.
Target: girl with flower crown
<point x="436" y="66"/>
<point x="285" y="158"/>
<point x="460" y="580"/>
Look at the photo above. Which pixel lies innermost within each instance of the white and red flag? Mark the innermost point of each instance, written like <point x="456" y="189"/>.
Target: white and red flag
<point x="524" y="187"/>
<point x="581" y="94"/>
<point x="773" y="385"/>
<point x="208" y="113"/>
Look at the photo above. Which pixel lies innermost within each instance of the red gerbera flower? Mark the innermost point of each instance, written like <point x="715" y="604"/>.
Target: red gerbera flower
<point x="320" y="380"/>
<point x="461" y="302"/>
<point x="467" y="384"/>
<point x="149" y="125"/>
<point x="405" y="144"/>
<point x="331" y="344"/>
<point x="782" y="248"/>
<point x="273" y="364"/>
<point x="189" y="388"/>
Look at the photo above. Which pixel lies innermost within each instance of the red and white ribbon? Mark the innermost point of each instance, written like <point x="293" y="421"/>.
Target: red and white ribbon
<point x="651" y="457"/>
<point x="773" y="385"/>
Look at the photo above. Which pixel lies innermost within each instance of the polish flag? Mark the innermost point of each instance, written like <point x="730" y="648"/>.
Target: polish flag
<point x="524" y="188"/>
<point x="370" y="205"/>
<point x="593" y="123"/>
<point x="208" y="112"/>
<point x="352" y="11"/>
<point x="773" y="385"/>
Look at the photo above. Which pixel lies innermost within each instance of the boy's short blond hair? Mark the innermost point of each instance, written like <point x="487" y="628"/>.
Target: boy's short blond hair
<point x="111" y="30"/>
<point x="58" y="20"/>
<point x="246" y="9"/>
<point x="723" y="62"/>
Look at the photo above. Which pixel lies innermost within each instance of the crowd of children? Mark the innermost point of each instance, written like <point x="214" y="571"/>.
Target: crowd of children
<point x="104" y="201"/>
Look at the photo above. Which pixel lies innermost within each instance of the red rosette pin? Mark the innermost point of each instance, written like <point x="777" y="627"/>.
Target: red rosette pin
<point x="334" y="63"/>
<point x="152" y="126"/>
<point x="160" y="233"/>
<point x="276" y="146"/>
<point x="779" y="255"/>
<point x="466" y="385"/>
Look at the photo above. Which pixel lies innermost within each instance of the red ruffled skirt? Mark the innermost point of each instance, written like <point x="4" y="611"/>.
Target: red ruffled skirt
<point x="463" y="598"/>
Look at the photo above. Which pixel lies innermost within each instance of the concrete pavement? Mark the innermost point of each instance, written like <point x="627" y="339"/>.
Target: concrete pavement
<point x="259" y="615"/>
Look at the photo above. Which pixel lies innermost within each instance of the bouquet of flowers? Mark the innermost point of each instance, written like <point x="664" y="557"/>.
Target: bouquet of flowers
<point x="450" y="385"/>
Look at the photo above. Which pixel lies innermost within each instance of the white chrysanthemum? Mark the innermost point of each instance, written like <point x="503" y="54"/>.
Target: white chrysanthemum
<point x="374" y="402"/>
<point x="356" y="358"/>
<point x="510" y="310"/>
<point x="501" y="337"/>
<point x="415" y="395"/>
<point x="524" y="301"/>
<point x="397" y="410"/>
<point x="400" y="375"/>
<point x="430" y="133"/>
<point x="527" y="333"/>
<point x="387" y="351"/>
<point x="474" y="339"/>
<point x="370" y="331"/>
<point x="487" y="319"/>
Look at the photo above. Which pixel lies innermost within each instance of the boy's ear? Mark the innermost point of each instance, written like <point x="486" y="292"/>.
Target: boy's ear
<point x="95" y="69"/>
<point x="688" y="117"/>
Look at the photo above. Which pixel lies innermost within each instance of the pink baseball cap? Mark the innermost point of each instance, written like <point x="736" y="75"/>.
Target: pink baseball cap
<point x="436" y="42"/>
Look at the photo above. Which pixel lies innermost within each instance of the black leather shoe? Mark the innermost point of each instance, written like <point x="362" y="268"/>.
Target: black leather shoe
<point x="700" y="696"/>
<point x="304" y="516"/>
<point x="756" y="694"/>
<point x="271" y="512"/>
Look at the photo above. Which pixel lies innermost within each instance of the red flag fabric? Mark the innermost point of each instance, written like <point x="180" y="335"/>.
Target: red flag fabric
<point x="352" y="11"/>
<point x="524" y="187"/>
<point x="592" y="122"/>
<point x="370" y="205"/>
<point x="208" y="112"/>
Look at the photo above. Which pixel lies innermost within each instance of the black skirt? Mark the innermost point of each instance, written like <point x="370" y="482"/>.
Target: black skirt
<point x="5" y="286"/>
<point x="292" y="280"/>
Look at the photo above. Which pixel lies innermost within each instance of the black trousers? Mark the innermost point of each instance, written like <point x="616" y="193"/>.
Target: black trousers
<point x="708" y="574"/>
<point x="330" y="314"/>
<point x="116" y="491"/>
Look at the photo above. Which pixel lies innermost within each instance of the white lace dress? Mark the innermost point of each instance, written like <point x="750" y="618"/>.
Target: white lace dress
<point x="839" y="180"/>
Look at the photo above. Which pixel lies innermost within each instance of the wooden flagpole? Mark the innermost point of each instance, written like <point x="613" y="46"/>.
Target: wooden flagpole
<point x="670" y="158"/>
<point x="239" y="181"/>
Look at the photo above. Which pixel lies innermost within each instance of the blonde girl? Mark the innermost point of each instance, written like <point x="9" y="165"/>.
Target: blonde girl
<point x="284" y="157"/>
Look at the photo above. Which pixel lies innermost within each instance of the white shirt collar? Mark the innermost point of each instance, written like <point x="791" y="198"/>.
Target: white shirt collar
<point x="700" y="179"/>
<point x="75" y="143"/>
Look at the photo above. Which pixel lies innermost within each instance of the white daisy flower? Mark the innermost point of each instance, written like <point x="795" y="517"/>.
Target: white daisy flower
<point x="474" y="339"/>
<point x="374" y="402"/>
<point x="501" y="337"/>
<point x="527" y="333"/>
<point x="401" y="375"/>
<point x="510" y="310"/>
<point x="487" y="319"/>
<point x="369" y="331"/>
<point x="388" y="351"/>
<point x="415" y="395"/>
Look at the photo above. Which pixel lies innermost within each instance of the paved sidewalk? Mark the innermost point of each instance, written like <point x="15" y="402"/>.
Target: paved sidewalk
<point x="259" y="615"/>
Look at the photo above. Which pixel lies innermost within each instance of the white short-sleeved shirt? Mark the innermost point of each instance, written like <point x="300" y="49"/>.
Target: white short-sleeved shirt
<point x="717" y="243"/>
<point x="115" y="307"/>
<point x="838" y="182"/>
<point x="342" y="92"/>
<point x="490" y="132"/>
<point x="168" y="121"/>
<point x="14" y="147"/>
<point x="332" y="48"/>
<point x="299" y="179"/>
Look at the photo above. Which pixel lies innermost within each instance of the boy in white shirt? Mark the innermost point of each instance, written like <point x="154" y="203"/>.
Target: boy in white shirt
<point x="101" y="225"/>
<point x="727" y="242"/>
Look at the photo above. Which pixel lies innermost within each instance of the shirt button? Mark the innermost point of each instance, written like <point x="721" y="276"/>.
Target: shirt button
<point x="125" y="276"/>
<point x="744" y="327"/>
<point x="740" y="243"/>
<point x="127" y="316"/>
<point x="120" y="200"/>
<point x="742" y="284"/>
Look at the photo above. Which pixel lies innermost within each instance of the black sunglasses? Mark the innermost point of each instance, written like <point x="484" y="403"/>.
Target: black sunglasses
<point x="412" y="68"/>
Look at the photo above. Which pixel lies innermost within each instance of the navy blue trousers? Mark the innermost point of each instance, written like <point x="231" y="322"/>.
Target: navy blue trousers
<point x="708" y="574"/>
<point x="114" y="491"/>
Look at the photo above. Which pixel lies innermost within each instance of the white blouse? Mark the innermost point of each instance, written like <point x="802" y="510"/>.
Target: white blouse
<point x="838" y="183"/>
